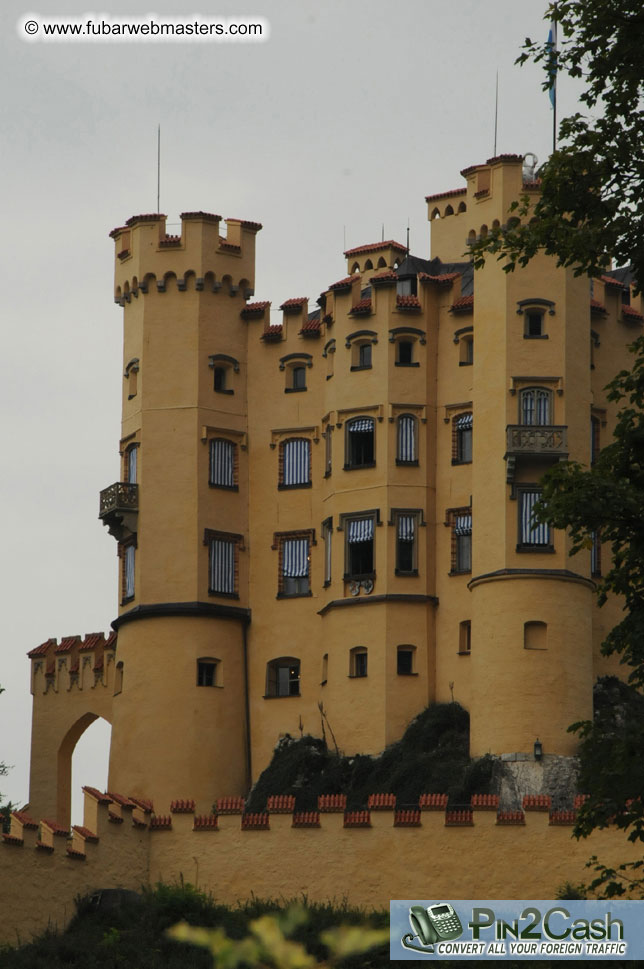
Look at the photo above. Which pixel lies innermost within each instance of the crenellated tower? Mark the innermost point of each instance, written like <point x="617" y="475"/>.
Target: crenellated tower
<point x="184" y="410"/>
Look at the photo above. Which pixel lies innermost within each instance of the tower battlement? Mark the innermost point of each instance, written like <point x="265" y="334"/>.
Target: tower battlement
<point x="83" y="663"/>
<point x="200" y="256"/>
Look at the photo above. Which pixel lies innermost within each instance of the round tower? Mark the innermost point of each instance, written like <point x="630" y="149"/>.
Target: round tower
<point x="179" y="510"/>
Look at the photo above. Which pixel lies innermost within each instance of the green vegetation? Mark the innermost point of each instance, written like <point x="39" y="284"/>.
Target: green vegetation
<point x="133" y="932"/>
<point x="591" y="208"/>
<point x="431" y="757"/>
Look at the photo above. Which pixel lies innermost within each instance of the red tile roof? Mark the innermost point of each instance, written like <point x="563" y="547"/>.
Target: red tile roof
<point x="247" y="224"/>
<point x="205" y="822"/>
<point x="146" y="217"/>
<point x="25" y="819"/>
<point x="459" y="818"/>
<point x="537" y="802"/>
<point x="482" y="192"/>
<point x="376" y="247"/>
<point x="117" y="231"/>
<point x="280" y="804"/>
<point x="230" y="805"/>
<point x="102" y="798"/>
<point x="255" y="309"/>
<point x="255" y="822"/>
<point x="611" y="281"/>
<point x="580" y="800"/>
<point x="200" y="216"/>
<point x="345" y="283"/>
<point x="85" y="833"/>
<point x="92" y="640"/>
<point x="294" y="305"/>
<point x="407" y="303"/>
<point x="443" y="279"/>
<point x="465" y="304"/>
<point x="42" y="649"/>
<point x="563" y="817"/>
<point x="182" y="807"/>
<point x="535" y="185"/>
<point x="510" y="817"/>
<point x="362" y="308"/>
<point x="407" y="819"/>
<point x="357" y="819"/>
<point x="143" y="803"/>
<point x="161" y="822"/>
<point x="632" y="314"/>
<point x="384" y="277"/>
<point x="484" y="802"/>
<point x="120" y="799"/>
<point x="432" y="802"/>
<point x="55" y="827"/>
<point x="446" y="195"/>
<point x="231" y="246"/>
<point x="306" y="819"/>
<point x="66" y="644"/>
<point x="505" y="158"/>
<point x="597" y="307"/>
<point x="110" y="642"/>
<point x="332" y="803"/>
<point x="311" y="327"/>
<point x="272" y="333"/>
<point x="381" y="802"/>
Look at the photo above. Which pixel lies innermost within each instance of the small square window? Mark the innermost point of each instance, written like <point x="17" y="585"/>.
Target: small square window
<point x="405" y="352"/>
<point x="465" y="637"/>
<point x="364" y="355"/>
<point x="358" y="662"/>
<point x="220" y="379"/>
<point x="283" y="677"/>
<point x="299" y="378"/>
<point x="405" y="661"/>
<point x="207" y="672"/>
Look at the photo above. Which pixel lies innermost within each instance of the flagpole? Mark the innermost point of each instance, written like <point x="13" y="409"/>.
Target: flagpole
<point x="554" y="90"/>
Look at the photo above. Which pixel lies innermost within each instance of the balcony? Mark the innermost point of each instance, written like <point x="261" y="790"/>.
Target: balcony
<point x="118" y="509"/>
<point x="535" y="442"/>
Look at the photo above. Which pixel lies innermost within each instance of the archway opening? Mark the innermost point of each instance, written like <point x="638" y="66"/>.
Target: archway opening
<point x="89" y="764"/>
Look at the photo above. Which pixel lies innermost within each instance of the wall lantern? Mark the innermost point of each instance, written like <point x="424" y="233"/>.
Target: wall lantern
<point x="538" y="749"/>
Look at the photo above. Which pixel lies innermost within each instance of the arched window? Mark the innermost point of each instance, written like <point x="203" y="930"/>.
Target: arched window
<point x="407" y="450"/>
<point x="535" y="406"/>
<point x="283" y="677"/>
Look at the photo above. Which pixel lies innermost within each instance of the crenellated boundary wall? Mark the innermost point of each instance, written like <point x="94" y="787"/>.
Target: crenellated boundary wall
<point x="367" y="856"/>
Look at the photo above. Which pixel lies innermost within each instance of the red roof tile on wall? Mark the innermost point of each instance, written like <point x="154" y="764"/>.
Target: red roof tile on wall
<point x="255" y="822"/>
<point x="505" y="158"/>
<point x="294" y="305"/>
<point x="465" y="304"/>
<point x="332" y="803"/>
<point x="272" y="333"/>
<point x="182" y="807"/>
<point x="311" y="327"/>
<point x="432" y="802"/>
<point x="407" y="819"/>
<point x="200" y="216"/>
<point x="100" y="797"/>
<point x="345" y="283"/>
<point x="148" y="217"/>
<point x="161" y="822"/>
<point x="537" y="802"/>
<point x="484" y="802"/>
<point x="510" y="817"/>
<point x="230" y="805"/>
<point x="407" y="303"/>
<point x="563" y="817"/>
<point x="611" y="281"/>
<point x="306" y="819"/>
<point x="459" y="818"/>
<point x="443" y="279"/>
<point x="446" y="195"/>
<point x="376" y="247"/>
<point x="597" y="307"/>
<point x="25" y="819"/>
<point x="381" y="802"/>
<point x="205" y="822"/>
<point x="280" y="804"/>
<point x="42" y="649"/>
<point x="357" y="819"/>
<point x="362" y="308"/>
<point x="632" y="314"/>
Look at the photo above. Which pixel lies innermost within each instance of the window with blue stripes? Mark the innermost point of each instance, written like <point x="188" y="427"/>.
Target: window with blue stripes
<point x="533" y="536"/>
<point x="223" y="464"/>
<point x="462" y="427"/>
<point x="407" y="440"/>
<point x="460" y="521"/>
<point x="360" y="443"/>
<point x="294" y="577"/>
<point x="295" y="463"/>
<point x="406" y="525"/>
<point x="359" y="547"/>
<point x="222" y="562"/>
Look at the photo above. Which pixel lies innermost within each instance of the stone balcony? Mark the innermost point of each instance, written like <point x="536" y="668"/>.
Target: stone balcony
<point x="118" y="509"/>
<point x="540" y="442"/>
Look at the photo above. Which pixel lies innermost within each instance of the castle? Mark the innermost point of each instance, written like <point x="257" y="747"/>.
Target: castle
<point x="330" y="509"/>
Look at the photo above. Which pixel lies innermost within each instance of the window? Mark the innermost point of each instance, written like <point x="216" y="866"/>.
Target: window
<point x="222" y="562"/>
<point x="295" y="463"/>
<point x="406" y="444"/>
<point x="362" y="357"/>
<point x="207" y="670"/>
<point x="594" y="439"/>
<point x="465" y="637"/>
<point x="222" y="464"/>
<point x="404" y="353"/>
<point x="360" y="443"/>
<point x="328" y="450"/>
<point x="466" y="351"/>
<point x="283" y="677"/>
<point x="535" y="406"/>
<point x="129" y="555"/>
<point x="461" y="524"/>
<point x="596" y="555"/>
<point x="358" y="661"/>
<point x="406" y="557"/>
<point x="534" y="325"/>
<point x="130" y="464"/>
<point x="298" y="378"/>
<point x="359" y="557"/>
<point x="327" y="534"/>
<point x="294" y="562"/>
<point x="405" y="660"/>
<point x="462" y="439"/>
<point x="535" y="635"/>
<point x="220" y="379"/>
<point x="131" y="375"/>
<point x="531" y="534"/>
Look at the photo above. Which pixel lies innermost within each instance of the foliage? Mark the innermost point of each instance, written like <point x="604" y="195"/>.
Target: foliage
<point x="431" y="757"/>
<point x="135" y="933"/>
<point x="591" y="207"/>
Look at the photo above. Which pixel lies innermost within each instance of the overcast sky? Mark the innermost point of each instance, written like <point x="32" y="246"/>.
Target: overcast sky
<point x="341" y="122"/>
